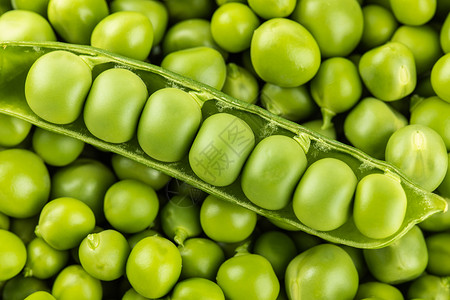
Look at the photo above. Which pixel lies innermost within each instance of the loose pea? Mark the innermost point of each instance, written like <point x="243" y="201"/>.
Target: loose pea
<point x="378" y="290"/>
<point x="25" y="25"/>
<point x="40" y="295"/>
<point x="73" y="282"/>
<point x="131" y="294"/>
<point x="114" y="105"/>
<point x="13" y="255"/>
<point x="272" y="171"/>
<point x="269" y="9"/>
<point x="438" y="254"/>
<point x="168" y="124"/>
<point x="135" y="238"/>
<point x="24" y="228"/>
<point x="284" y="53"/>
<point x="429" y="287"/>
<point x="241" y="84"/>
<point x="413" y="12"/>
<point x="357" y="257"/>
<point x="189" y="9"/>
<point x="440" y="77"/>
<point x="379" y="25"/>
<point x="322" y="198"/>
<point x="444" y="36"/>
<point x="73" y="78"/>
<point x="13" y="131"/>
<point x="197" y="288"/>
<point x="439" y="221"/>
<point x="220" y="149"/>
<point x="4" y="221"/>
<point x="20" y="287"/>
<point x="380" y="206"/>
<point x="38" y="6"/>
<point x="420" y="153"/>
<point x="444" y="187"/>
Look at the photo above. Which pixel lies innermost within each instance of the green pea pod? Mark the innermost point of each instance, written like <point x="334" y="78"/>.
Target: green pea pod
<point x="16" y="59"/>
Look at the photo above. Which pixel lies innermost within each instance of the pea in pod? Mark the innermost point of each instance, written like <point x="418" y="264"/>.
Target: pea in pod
<point x="16" y="59"/>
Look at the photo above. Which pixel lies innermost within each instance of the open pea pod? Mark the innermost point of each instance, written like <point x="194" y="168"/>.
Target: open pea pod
<point x="16" y="59"/>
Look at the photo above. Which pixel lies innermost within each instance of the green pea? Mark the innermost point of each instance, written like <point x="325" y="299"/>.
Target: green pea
<point x="357" y="257"/>
<point x="43" y="261"/>
<point x="413" y="12"/>
<point x="444" y="36"/>
<point x="168" y="124"/>
<point x="325" y="20"/>
<point x="24" y="183"/>
<point x="325" y="271"/>
<point x="203" y="64"/>
<point x="272" y="171"/>
<point x="284" y="53"/>
<point x="444" y="187"/>
<point x="25" y="25"/>
<point x="378" y="290"/>
<point x="131" y="294"/>
<point x="370" y="124"/>
<point x="4" y="221"/>
<point x="13" y="131"/>
<point x="114" y="105"/>
<point x="64" y="104"/>
<point x="439" y="221"/>
<point x="220" y="149"/>
<point x="248" y="276"/>
<point x="155" y="11"/>
<point x="13" y="255"/>
<point x="73" y="282"/>
<point x="40" y="295"/>
<point x="438" y="254"/>
<point x="403" y="260"/>
<point x="336" y="87"/>
<point x="136" y="237"/>
<point x="241" y="84"/>
<point x="38" y="6"/>
<point x="197" y="288"/>
<point x="440" y="77"/>
<point x="127" y="33"/>
<point x="20" y="287"/>
<point x="268" y="9"/>
<point x="434" y="113"/>
<point x="24" y="228"/>
<point x="153" y="266"/>
<point x="232" y="26"/>
<point x="388" y="71"/>
<point x="189" y="9"/>
<point x="420" y="153"/>
<point x="227" y="222"/>
<point x="379" y="25"/>
<point x="322" y="198"/>
<point x="75" y="20"/>
<point x="429" y="287"/>
<point x="295" y="103"/>
<point x="380" y="205"/>
<point x="317" y="126"/>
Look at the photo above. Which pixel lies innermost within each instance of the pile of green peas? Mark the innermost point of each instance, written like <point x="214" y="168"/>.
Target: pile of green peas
<point x="379" y="83"/>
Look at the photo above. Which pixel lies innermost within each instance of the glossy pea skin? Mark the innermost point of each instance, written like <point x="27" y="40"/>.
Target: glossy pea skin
<point x="13" y="255"/>
<point x="155" y="11"/>
<point x="388" y="71"/>
<point x="203" y="64"/>
<point x="40" y="295"/>
<point x="232" y="26"/>
<point x="24" y="183"/>
<point x="126" y="168"/>
<point x="413" y="12"/>
<point x="269" y="9"/>
<point x="197" y="288"/>
<point x="444" y="187"/>
<point x="272" y="171"/>
<point x="220" y="149"/>
<point x="379" y="25"/>
<point x="38" y="6"/>
<point x="114" y="105"/>
<point x="64" y="223"/>
<point x="337" y="26"/>
<point x="62" y="105"/>
<point x="420" y="153"/>
<point x="43" y="261"/>
<point x="378" y="290"/>
<point x="13" y="130"/>
<point x="73" y="282"/>
<point x="126" y="33"/>
<point x="295" y="103"/>
<point x="369" y="125"/>
<point x="336" y="87"/>
<point x="201" y="258"/>
<point x="434" y="113"/>
<point x="227" y="222"/>
<point x="322" y="198"/>
<point x="248" y="276"/>
<point x="168" y="124"/>
<point x="241" y="84"/>
<point x="284" y="53"/>
<point x="440" y="77"/>
<point x="380" y="206"/>
<point x="153" y="266"/>
<point x="438" y="254"/>
<point x="444" y="36"/>
<point x="25" y="25"/>
<point x="429" y="287"/>
<point x="324" y="272"/>
<point x="403" y="260"/>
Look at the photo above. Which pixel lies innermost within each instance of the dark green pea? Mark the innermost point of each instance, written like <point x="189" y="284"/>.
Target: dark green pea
<point x="322" y="198"/>
<point x="114" y="104"/>
<point x="135" y="238"/>
<point x="304" y="241"/>
<point x="4" y="221"/>
<point x="189" y="9"/>
<point x="317" y="126"/>
<point x="325" y="271"/>
<point x="370" y="124"/>
<point x="38" y="6"/>
<point x="197" y="288"/>
<point x="180" y="219"/>
<point x="168" y="124"/>
<point x="220" y="149"/>
<point x="13" y="131"/>
<point x="388" y="71"/>
<point x="429" y="287"/>
<point x="424" y="87"/>
<point x="24" y="228"/>
<point x="241" y="84"/>
<point x="444" y="187"/>
<point x="272" y="171"/>
<point x="295" y="104"/>
<point x="438" y="254"/>
<point x="25" y="25"/>
<point x="378" y="290"/>
<point x="379" y="25"/>
<point x="64" y="104"/>
<point x="200" y="258"/>
<point x="439" y="221"/>
<point x="357" y="257"/>
<point x="380" y="205"/>
<point x="444" y="36"/>
<point x="20" y="287"/>
<point x="202" y="63"/>
<point x="403" y="260"/>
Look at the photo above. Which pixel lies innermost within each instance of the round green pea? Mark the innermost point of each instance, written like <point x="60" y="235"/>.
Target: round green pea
<point x="439" y="221"/>
<point x="114" y="105"/>
<point x="428" y="287"/>
<point x="220" y="149"/>
<point x="40" y="295"/>
<point x="38" y="6"/>
<point x="377" y="290"/>
<point x="272" y="171"/>
<point x="269" y="9"/>
<point x="13" y="255"/>
<point x="241" y="84"/>
<point x="413" y="12"/>
<point x="13" y="130"/>
<point x="379" y="25"/>
<point x="73" y="282"/>
<point x="168" y="124"/>
<point x="20" y="287"/>
<point x="440" y="77"/>
<point x="25" y="25"/>
<point x="444" y="36"/>
<point x="197" y="288"/>
<point x="438" y="254"/>
<point x="70" y="74"/>
<point x="322" y="198"/>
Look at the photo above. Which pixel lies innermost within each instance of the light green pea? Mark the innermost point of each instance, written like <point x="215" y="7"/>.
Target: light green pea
<point x="379" y="25"/>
